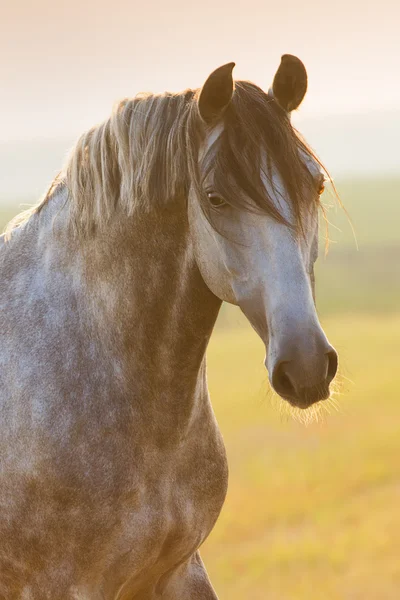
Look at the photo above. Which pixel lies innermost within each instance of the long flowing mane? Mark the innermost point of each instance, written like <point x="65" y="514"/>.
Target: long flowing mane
<point x="146" y="154"/>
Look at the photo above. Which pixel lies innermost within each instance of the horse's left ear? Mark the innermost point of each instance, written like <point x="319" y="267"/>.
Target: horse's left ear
<point x="216" y="93"/>
<point x="290" y="83"/>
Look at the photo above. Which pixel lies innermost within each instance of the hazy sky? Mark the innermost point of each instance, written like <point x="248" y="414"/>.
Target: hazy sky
<point x="63" y="64"/>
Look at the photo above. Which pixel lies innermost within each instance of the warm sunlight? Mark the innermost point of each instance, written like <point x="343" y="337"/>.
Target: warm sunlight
<point x="168" y="314"/>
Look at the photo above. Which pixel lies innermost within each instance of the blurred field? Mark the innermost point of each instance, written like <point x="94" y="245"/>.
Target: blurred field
<point x="367" y="279"/>
<point x="314" y="512"/>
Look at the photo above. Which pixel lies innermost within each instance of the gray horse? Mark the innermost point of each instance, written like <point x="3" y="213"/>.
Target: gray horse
<point x="113" y="470"/>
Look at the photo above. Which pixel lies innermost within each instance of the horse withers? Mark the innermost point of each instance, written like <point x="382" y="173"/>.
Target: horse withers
<point x="113" y="470"/>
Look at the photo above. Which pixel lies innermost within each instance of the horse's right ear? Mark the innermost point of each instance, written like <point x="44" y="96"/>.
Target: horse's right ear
<point x="216" y="93"/>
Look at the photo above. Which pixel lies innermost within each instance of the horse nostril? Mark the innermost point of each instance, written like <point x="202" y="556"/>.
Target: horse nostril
<point x="332" y="365"/>
<point x="281" y="381"/>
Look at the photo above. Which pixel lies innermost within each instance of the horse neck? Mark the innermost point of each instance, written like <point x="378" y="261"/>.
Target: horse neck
<point x="152" y="308"/>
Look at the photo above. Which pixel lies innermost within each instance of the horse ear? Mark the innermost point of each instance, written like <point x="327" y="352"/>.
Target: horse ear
<point x="290" y="83"/>
<point x="216" y="93"/>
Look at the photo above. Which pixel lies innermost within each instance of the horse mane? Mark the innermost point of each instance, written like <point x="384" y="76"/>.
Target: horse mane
<point x="137" y="159"/>
<point x="146" y="154"/>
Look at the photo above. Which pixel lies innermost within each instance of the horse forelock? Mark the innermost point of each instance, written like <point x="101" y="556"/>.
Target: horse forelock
<point x="256" y="143"/>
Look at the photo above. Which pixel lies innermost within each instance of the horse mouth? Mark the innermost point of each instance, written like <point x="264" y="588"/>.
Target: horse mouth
<point x="306" y="397"/>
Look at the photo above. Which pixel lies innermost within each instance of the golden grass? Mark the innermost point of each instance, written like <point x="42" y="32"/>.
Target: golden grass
<point x="311" y="512"/>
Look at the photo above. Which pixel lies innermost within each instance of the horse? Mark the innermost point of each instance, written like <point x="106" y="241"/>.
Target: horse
<point x="113" y="469"/>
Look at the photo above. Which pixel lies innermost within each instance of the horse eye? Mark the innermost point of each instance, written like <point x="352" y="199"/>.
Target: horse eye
<point x="321" y="188"/>
<point x="215" y="199"/>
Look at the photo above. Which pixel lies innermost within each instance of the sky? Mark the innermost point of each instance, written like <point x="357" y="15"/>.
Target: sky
<point x="64" y="64"/>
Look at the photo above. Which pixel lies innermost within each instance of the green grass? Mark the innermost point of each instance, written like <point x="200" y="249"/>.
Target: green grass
<point x="374" y="208"/>
<point x="364" y="279"/>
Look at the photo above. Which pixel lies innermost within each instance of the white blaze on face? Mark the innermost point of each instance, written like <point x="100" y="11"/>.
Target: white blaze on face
<point x="286" y="263"/>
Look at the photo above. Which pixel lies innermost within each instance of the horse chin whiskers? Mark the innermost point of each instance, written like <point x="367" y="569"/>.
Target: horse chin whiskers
<point x="304" y="416"/>
<point x="308" y="415"/>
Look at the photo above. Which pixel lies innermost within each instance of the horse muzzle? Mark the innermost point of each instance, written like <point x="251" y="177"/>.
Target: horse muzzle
<point x="302" y="375"/>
